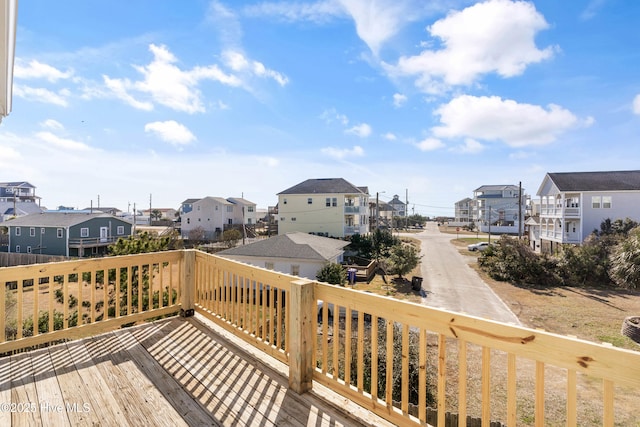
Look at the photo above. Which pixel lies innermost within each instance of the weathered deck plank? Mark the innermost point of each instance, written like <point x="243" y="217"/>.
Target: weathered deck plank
<point x="168" y="373"/>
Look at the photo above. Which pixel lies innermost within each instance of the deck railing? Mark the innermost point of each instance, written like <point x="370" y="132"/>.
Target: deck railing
<point x="395" y="358"/>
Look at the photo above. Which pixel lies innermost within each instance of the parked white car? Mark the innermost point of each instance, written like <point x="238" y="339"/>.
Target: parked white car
<point x="480" y="246"/>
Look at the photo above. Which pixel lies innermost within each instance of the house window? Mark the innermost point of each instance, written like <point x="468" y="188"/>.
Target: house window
<point x="17" y="249"/>
<point x="250" y="209"/>
<point x="309" y="201"/>
<point x="268" y="265"/>
<point x="595" y="202"/>
<point x="188" y="220"/>
<point x="28" y="249"/>
<point x="84" y="232"/>
<point x="606" y="202"/>
<point x="293" y="218"/>
<point x="42" y="230"/>
<point x="327" y="202"/>
<point x="59" y="233"/>
<point x="229" y="208"/>
<point x="334" y="202"/>
<point x="281" y="218"/>
<point x="18" y="231"/>
<point x="120" y="230"/>
<point x="32" y="232"/>
<point x="284" y="201"/>
<point x="295" y="270"/>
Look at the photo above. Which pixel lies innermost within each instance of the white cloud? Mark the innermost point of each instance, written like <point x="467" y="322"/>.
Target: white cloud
<point x="378" y="20"/>
<point x="429" y="144"/>
<point x="389" y="136"/>
<point x="167" y="84"/>
<point x="52" y="124"/>
<point x="399" y="100"/>
<point x="470" y="146"/>
<point x="239" y="63"/>
<point x="170" y="131"/>
<point x="319" y="11"/>
<point x="342" y="153"/>
<point x="330" y="115"/>
<point x="42" y="95"/>
<point x="362" y="130"/>
<point x="495" y="119"/>
<point x="64" y="143"/>
<point x="37" y="70"/>
<point x="496" y="36"/>
<point x="636" y="105"/>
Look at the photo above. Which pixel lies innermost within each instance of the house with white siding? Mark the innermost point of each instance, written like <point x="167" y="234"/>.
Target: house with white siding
<point x="574" y="204"/>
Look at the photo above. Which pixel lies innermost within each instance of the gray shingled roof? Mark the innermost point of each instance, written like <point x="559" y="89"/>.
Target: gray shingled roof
<point x="324" y="186"/>
<point x="54" y="219"/>
<point x="596" y="181"/>
<point x="291" y="245"/>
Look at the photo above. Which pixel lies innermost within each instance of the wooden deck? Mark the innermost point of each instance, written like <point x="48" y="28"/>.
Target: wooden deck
<point x="168" y="373"/>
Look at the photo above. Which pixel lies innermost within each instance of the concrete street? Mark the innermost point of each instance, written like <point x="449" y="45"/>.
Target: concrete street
<point x="449" y="282"/>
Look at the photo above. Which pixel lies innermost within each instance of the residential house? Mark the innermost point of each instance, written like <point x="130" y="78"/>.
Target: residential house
<point x="574" y="204"/>
<point x="464" y="213"/>
<point x="8" y="23"/>
<point x="384" y="211"/>
<point x="499" y="208"/>
<point x="72" y="234"/>
<point x="213" y="215"/>
<point x="105" y="209"/>
<point x="160" y="214"/>
<point x="296" y="253"/>
<point x="331" y="207"/>
<point x="399" y="207"/>
<point x="18" y="199"/>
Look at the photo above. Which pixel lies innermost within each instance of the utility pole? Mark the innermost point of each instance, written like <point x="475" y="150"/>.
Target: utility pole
<point x="406" y="208"/>
<point x="520" y="223"/>
<point x="377" y="211"/>
<point x="149" y="208"/>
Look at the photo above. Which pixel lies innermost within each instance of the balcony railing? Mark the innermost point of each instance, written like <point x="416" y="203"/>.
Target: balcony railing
<point x="86" y="242"/>
<point x="351" y="209"/>
<point x="392" y="357"/>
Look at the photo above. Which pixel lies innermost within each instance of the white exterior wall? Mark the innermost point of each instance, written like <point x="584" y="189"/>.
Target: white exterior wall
<point x="208" y="213"/>
<point x="307" y="269"/>
<point x="624" y="204"/>
<point x="317" y="217"/>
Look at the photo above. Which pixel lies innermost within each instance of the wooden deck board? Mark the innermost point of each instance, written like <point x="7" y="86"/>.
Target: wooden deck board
<point x="168" y="373"/>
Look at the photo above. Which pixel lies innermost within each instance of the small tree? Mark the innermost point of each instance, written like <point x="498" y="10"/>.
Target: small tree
<point x="332" y="273"/>
<point x="230" y="238"/>
<point x="625" y="261"/>
<point x="156" y="214"/>
<point x="196" y="235"/>
<point x="402" y="259"/>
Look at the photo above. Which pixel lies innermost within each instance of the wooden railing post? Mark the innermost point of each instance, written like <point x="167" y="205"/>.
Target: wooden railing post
<point x="188" y="282"/>
<point x="301" y="335"/>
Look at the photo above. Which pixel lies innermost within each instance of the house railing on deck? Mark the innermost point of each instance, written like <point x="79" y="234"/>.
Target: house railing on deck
<point x="392" y="357"/>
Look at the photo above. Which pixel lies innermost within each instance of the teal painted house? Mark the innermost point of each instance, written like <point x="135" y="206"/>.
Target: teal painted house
<point x="72" y="234"/>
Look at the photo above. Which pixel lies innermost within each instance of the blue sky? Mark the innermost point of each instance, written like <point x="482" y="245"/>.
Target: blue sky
<point x="175" y="100"/>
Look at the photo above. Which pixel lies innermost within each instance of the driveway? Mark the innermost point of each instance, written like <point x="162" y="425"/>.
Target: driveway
<point x="450" y="283"/>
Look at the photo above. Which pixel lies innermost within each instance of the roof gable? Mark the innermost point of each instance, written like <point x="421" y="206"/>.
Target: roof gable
<point x="291" y="245"/>
<point x="596" y="181"/>
<point x="324" y="186"/>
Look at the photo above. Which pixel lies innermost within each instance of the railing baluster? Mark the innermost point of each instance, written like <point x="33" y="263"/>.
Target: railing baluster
<point x="442" y="379"/>
<point x="360" y="371"/>
<point x="388" y="387"/>
<point x="422" y="376"/>
<point x="404" y="405"/>
<point x="36" y="306"/>
<point x="511" y="390"/>
<point x="539" y="394"/>
<point x="462" y="382"/>
<point x="607" y="399"/>
<point x="572" y="398"/>
<point x="374" y="358"/>
<point x="347" y="346"/>
<point x="51" y="306"/>
<point x="486" y="385"/>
